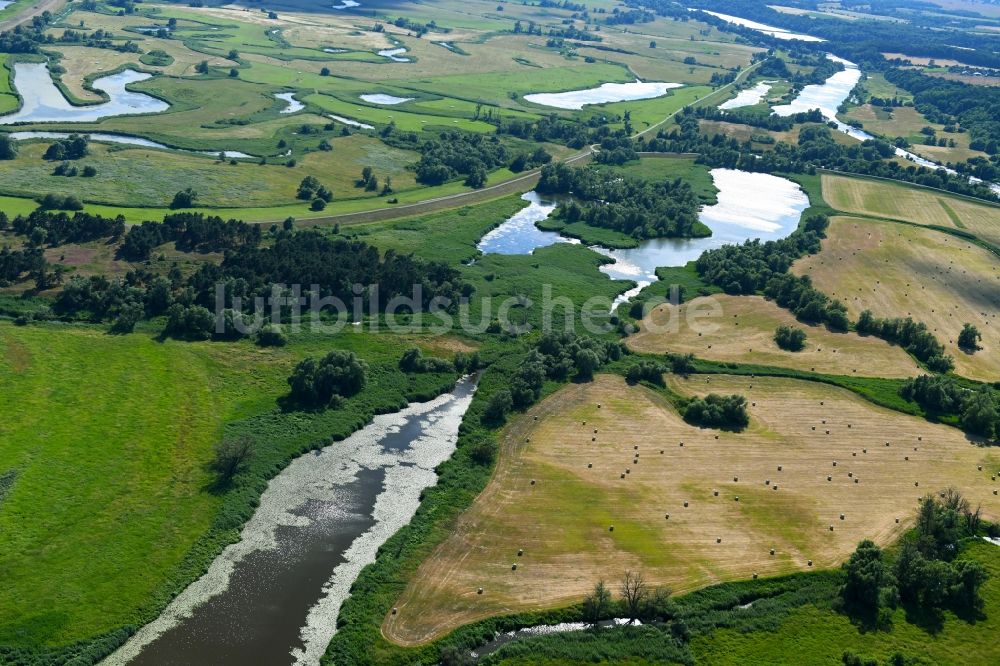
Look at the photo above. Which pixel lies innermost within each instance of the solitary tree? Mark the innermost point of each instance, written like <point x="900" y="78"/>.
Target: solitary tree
<point x="595" y="606"/>
<point x="634" y="592"/>
<point x="232" y="457"/>
<point x="969" y="338"/>
<point x="8" y="148"/>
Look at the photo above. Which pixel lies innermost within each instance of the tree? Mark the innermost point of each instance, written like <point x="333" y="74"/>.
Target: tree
<point x="789" y="338"/>
<point x="969" y="338"/>
<point x="652" y="44"/>
<point x="234" y="73"/>
<point x="325" y="71"/>
<point x="8" y="148"/>
<point x="231" y="457"/>
<point x="866" y="580"/>
<point x="201" y="67"/>
<point x="317" y="204"/>
<point x="184" y="199"/>
<point x="327" y="381"/>
<point x="271" y="336"/>
<point x="497" y="407"/>
<point x="979" y="413"/>
<point x="597" y="603"/>
<point x="633" y="590"/>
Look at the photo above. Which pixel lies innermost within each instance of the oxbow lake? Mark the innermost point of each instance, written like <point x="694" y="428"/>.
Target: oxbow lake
<point x="43" y="102"/>
<point x="604" y="93"/>
<point x="748" y="97"/>
<point x="750" y="205"/>
<point x="293" y="104"/>
<point x="380" y="98"/>
<point x="274" y="596"/>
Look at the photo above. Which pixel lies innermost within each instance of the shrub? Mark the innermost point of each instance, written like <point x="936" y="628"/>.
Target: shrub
<point x="790" y="339"/>
<point x="325" y="382"/>
<point x="727" y="412"/>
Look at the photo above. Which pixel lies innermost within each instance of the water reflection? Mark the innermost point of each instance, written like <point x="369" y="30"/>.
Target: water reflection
<point x="43" y="102"/>
<point x="606" y="92"/>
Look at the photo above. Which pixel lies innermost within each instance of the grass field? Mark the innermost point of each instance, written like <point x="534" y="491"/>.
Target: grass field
<point x="109" y="437"/>
<point x="898" y="270"/>
<point x="698" y="176"/>
<point x="8" y="100"/>
<point x="820" y="636"/>
<point x="906" y="122"/>
<point x="144" y="177"/>
<point x="741" y="329"/>
<point x="912" y="204"/>
<point x="544" y="499"/>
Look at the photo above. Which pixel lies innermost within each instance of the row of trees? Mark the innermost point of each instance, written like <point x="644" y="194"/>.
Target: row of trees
<point x="639" y="208"/>
<point x="556" y="357"/>
<point x="190" y="232"/>
<point x="460" y="153"/>
<point x="57" y="228"/>
<point x="977" y="410"/>
<point x="911" y="335"/>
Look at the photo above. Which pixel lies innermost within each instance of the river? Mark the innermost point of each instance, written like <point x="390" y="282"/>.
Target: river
<point x="274" y="596"/>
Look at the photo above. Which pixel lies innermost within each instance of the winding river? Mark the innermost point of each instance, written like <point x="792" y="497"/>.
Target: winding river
<point x="274" y="596"/>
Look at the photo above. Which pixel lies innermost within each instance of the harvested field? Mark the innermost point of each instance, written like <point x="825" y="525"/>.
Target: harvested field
<point x="546" y="499"/>
<point x="912" y="204"/>
<point x="897" y="270"/>
<point x="741" y="329"/>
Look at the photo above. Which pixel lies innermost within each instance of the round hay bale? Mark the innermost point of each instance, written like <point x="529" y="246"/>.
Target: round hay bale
<point x="829" y="478"/>
<point x="979" y="467"/>
<point x="527" y="439"/>
<point x="772" y="551"/>
<point x="532" y="482"/>
<point x="841" y="516"/>
<point x="774" y="487"/>
<point x="395" y="610"/>
<point x="593" y="439"/>
<point x="667" y="517"/>
<point x="779" y="468"/>
<point x="590" y="465"/>
<point x="715" y="492"/>
<point x="850" y="475"/>
<point x="682" y="444"/>
<point x="854" y="454"/>
<point x="520" y="552"/>
<point x="906" y="457"/>
<point x="611" y="529"/>
<point x="479" y="591"/>
<point x="809" y="563"/>
<point x="767" y="482"/>
<point x="755" y="576"/>
<point x="718" y="539"/>
<point x="897" y="521"/>
<point x="737" y="498"/>
<point x="831" y="528"/>
<point x="623" y="475"/>
<point x="685" y="504"/>
<point x="661" y="452"/>
<point x="916" y="483"/>
<point x="834" y="463"/>
<point x="857" y="480"/>
<point x="735" y="479"/>
<point x="513" y="567"/>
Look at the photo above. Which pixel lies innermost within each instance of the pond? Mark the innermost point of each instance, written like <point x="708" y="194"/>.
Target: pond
<point x="101" y="137"/>
<point x="274" y="596"/>
<point x="346" y="4"/>
<point x="43" y="102"/>
<point x="778" y="33"/>
<point x="748" y="97"/>
<point x="394" y="54"/>
<point x="606" y="92"/>
<point x="750" y="205"/>
<point x="379" y="98"/>
<point x="294" y="105"/>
